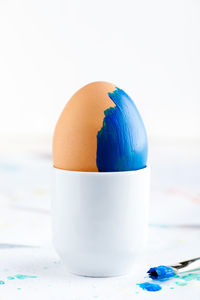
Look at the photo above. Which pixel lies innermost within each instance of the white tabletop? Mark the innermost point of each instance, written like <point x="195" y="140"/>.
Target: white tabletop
<point x="29" y="266"/>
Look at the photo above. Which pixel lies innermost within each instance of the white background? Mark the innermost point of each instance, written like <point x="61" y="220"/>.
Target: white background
<point x="49" y="49"/>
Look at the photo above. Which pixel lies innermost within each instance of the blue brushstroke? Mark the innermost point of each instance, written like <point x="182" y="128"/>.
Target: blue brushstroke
<point x="122" y="141"/>
<point x="150" y="287"/>
<point x="161" y="273"/>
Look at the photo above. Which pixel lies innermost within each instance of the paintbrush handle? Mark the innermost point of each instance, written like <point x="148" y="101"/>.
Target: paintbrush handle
<point x="188" y="265"/>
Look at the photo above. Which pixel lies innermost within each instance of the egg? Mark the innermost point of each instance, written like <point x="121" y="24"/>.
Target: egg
<point x="100" y="130"/>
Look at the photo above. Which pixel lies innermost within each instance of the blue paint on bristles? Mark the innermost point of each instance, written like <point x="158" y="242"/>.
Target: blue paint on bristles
<point x="161" y="273"/>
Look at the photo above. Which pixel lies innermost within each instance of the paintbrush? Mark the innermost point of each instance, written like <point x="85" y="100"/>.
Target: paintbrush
<point x="166" y="272"/>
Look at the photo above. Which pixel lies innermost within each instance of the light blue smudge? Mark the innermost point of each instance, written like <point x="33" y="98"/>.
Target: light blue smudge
<point x="5" y="167"/>
<point x="10" y="277"/>
<point x="122" y="141"/>
<point x="191" y="276"/>
<point x="20" y="276"/>
<point x="5" y="270"/>
<point x="181" y="283"/>
<point x="2" y="282"/>
<point x="161" y="273"/>
<point x="150" y="287"/>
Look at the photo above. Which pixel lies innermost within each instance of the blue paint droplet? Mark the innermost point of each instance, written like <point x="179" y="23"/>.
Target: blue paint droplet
<point x="2" y="282"/>
<point x="161" y="273"/>
<point x="150" y="287"/>
<point x="122" y="141"/>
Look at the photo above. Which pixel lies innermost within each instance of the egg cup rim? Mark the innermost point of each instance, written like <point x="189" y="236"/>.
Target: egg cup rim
<point x="145" y="169"/>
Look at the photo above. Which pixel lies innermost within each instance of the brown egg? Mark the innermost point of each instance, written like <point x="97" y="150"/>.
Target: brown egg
<point x="75" y="136"/>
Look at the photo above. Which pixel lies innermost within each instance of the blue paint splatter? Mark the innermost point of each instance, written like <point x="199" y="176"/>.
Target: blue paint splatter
<point x="19" y="276"/>
<point x="122" y="141"/>
<point x="161" y="273"/>
<point x="2" y="282"/>
<point x="150" y="287"/>
<point x="191" y="276"/>
<point x="10" y="277"/>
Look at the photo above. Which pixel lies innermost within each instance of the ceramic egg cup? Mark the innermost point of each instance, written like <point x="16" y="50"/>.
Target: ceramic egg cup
<point x="100" y="220"/>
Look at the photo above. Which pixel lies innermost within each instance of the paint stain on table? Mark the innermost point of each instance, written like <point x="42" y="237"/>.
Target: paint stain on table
<point x="191" y="276"/>
<point x="181" y="283"/>
<point x="10" y="277"/>
<point x="20" y="276"/>
<point x="150" y="287"/>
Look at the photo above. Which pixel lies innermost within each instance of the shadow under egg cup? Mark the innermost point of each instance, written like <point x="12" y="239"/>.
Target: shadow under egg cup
<point x="100" y="220"/>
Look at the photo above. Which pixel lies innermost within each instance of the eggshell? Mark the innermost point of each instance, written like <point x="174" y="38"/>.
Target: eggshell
<point x="100" y="129"/>
<point x="75" y="136"/>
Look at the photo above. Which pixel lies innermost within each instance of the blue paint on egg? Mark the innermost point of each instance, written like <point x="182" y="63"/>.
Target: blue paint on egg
<point x="122" y="141"/>
<point x="161" y="273"/>
<point x="150" y="287"/>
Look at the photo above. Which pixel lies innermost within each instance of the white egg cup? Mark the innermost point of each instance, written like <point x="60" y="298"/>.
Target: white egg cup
<point x="100" y="220"/>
